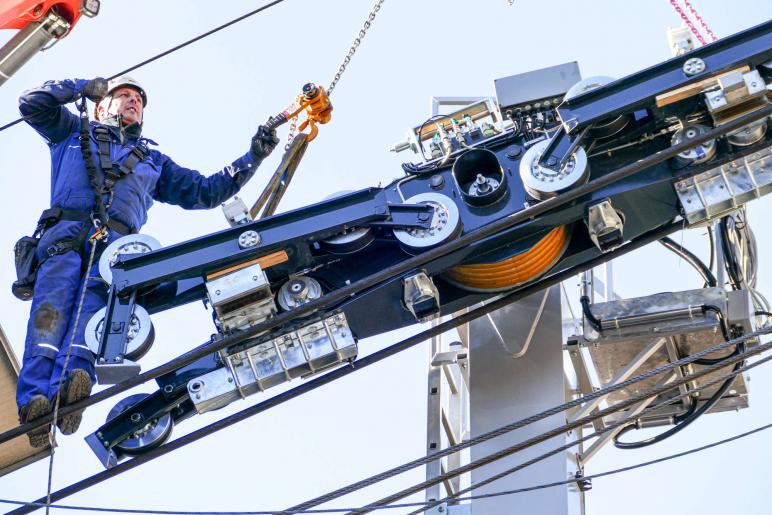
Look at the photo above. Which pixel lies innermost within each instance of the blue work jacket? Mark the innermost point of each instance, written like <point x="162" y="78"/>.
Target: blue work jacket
<point x="157" y="177"/>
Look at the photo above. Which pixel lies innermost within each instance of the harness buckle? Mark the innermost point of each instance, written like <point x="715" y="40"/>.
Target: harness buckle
<point x="60" y="247"/>
<point x="102" y="134"/>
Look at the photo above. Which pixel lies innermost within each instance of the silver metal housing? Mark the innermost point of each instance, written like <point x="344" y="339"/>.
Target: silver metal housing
<point x="305" y="351"/>
<point x="421" y="296"/>
<point x="242" y="298"/>
<point x="725" y="188"/>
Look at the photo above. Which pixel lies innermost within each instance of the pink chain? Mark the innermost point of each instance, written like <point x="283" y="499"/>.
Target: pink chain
<point x="700" y="20"/>
<point x="688" y="22"/>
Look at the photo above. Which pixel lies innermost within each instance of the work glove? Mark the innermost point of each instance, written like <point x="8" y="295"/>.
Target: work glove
<point x="263" y="142"/>
<point x="95" y="89"/>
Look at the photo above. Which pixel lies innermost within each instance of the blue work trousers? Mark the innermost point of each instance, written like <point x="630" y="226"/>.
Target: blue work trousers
<point x="52" y="322"/>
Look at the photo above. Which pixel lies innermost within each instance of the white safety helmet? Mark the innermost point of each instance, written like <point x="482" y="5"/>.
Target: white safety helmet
<point x="123" y="81"/>
<point x="126" y="81"/>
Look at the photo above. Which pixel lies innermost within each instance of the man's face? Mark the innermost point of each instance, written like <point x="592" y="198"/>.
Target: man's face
<point x="127" y="103"/>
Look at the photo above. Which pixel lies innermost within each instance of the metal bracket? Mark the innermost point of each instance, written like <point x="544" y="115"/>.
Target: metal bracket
<point x="605" y="226"/>
<point x="404" y="216"/>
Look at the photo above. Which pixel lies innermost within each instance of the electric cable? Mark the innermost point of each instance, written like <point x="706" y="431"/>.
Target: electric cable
<point x="689" y="257"/>
<point x="362" y="363"/>
<point x="405" y="266"/>
<point x="172" y="50"/>
<point x="594" y="322"/>
<point x="712" y="245"/>
<point x="684" y="421"/>
<point x="565" y="447"/>
<point x="86" y="483"/>
<point x="544" y="414"/>
<point x="652" y="392"/>
<point x="733" y="267"/>
<point x="724" y="331"/>
<point x="412" y="504"/>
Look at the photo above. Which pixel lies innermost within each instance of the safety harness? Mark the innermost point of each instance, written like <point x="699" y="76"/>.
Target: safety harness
<point x="25" y="249"/>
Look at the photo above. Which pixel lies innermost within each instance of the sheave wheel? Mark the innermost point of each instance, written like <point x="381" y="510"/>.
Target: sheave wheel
<point x="147" y="437"/>
<point x="141" y="334"/>
<point x="130" y="244"/>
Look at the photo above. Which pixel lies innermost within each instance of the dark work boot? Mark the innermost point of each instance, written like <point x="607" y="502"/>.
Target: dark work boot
<point x="38" y="406"/>
<point x="76" y="388"/>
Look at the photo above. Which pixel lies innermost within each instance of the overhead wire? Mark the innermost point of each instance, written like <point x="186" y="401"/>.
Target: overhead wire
<point x="652" y="392"/>
<point x="319" y="381"/>
<point x="407" y="265"/>
<point x="618" y="470"/>
<point x="610" y="428"/>
<point x="501" y="493"/>
<point x="534" y="418"/>
<point x="171" y="50"/>
<point x="580" y="422"/>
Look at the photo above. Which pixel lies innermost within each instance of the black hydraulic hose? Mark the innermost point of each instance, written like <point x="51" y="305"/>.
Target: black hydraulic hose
<point x="344" y="371"/>
<point x="724" y="331"/>
<point x="413" y="263"/>
<point x="652" y="392"/>
<point x="591" y="319"/>
<point x="685" y="421"/>
<point x="689" y="257"/>
<point x="730" y="260"/>
<point x="167" y="52"/>
<point x="712" y="243"/>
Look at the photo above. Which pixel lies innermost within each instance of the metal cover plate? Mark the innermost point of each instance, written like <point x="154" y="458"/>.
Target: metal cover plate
<point x="615" y="350"/>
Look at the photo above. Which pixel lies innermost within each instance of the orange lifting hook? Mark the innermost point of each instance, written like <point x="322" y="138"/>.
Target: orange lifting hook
<point x="315" y="101"/>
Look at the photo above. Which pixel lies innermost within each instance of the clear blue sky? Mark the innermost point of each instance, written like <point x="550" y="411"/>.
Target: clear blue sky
<point x="205" y="103"/>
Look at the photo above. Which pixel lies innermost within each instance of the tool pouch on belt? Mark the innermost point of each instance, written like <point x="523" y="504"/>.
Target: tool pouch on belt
<point x="26" y="267"/>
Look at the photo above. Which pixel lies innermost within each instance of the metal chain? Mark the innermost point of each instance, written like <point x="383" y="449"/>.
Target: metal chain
<point x="353" y="49"/>
<point x="700" y="20"/>
<point x="293" y="128"/>
<point x="687" y="21"/>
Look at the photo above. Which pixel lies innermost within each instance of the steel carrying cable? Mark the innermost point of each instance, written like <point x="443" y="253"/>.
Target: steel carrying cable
<point x="579" y="422"/>
<point x="313" y="384"/>
<point x="412" y="263"/>
<point x="502" y="493"/>
<point x="652" y="392"/>
<point x="545" y="414"/>
<point x="172" y="50"/>
<point x="618" y="424"/>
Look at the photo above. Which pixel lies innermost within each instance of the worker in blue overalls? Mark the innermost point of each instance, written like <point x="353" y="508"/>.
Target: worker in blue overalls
<point x="128" y="177"/>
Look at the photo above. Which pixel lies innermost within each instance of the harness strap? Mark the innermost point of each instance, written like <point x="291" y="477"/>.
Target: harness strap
<point x="51" y="216"/>
<point x="102" y="135"/>
<point x="113" y="172"/>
